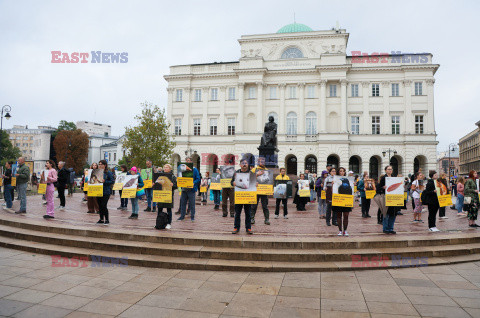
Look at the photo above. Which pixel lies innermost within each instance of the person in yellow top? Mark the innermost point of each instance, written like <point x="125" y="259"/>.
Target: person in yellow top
<point x="258" y="170"/>
<point x="281" y="176"/>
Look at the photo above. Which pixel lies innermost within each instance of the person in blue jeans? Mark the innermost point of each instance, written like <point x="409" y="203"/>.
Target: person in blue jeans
<point x="123" y="202"/>
<point x="149" y="192"/>
<point x="390" y="216"/>
<point x="188" y="194"/>
<point x="7" y="186"/>
<point x="216" y="194"/>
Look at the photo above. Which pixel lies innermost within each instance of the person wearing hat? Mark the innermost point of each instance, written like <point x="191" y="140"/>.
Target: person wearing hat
<point x="134" y="201"/>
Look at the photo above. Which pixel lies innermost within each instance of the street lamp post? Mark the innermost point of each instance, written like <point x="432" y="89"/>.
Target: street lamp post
<point x="390" y="151"/>
<point x="451" y="148"/>
<point x="7" y="109"/>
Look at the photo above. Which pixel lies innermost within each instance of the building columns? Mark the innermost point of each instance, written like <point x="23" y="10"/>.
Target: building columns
<point x="407" y="84"/>
<point x="343" y="99"/>
<point x="323" y="107"/>
<point x="282" y="122"/>
<point x="301" y="112"/>
<point x="430" y="129"/>
<point x="365" y="119"/>
<point x="386" y="129"/>
<point x="260" y="108"/>
<point x="241" y="106"/>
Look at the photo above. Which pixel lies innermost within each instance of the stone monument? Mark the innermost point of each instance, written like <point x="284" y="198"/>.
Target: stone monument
<point x="268" y="144"/>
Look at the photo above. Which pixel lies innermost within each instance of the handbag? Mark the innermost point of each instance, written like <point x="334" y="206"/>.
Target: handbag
<point x="467" y="200"/>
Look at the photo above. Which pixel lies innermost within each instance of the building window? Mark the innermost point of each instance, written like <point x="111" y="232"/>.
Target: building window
<point x="310" y="91"/>
<point x="293" y="92"/>
<point x="252" y="92"/>
<point x="196" y="126"/>
<point x="273" y="92"/>
<point x="231" y="126"/>
<point x="311" y="123"/>
<point x="109" y="156"/>
<point x="114" y="156"/>
<point x="274" y="115"/>
<point x="355" y="128"/>
<point x="291" y="123"/>
<point x="198" y="95"/>
<point x="179" y="95"/>
<point x="292" y="53"/>
<point x="231" y="93"/>
<point x="178" y="127"/>
<point x="376" y="125"/>
<point x="213" y="126"/>
<point x="375" y="90"/>
<point x="214" y="94"/>
<point x="333" y="90"/>
<point x="395" y="89"/>
<point x="419" y="124"/>
<point x="418" y="88"/>
<point x="396" y="125"/>
<point x="354" y="90"/>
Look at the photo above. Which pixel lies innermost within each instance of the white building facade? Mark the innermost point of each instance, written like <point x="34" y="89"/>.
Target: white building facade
<point x="93" y="129"/>
<point x="329" y="107"/>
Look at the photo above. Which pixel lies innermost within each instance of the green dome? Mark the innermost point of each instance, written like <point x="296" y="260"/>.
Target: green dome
<point x="294" y="27"/>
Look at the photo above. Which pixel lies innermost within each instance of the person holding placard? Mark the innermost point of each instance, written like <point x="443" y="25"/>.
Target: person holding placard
<point x="228" y="192"/>
<point x="147" y="177"/>
<point x="204" y="186"/>
<point x="417" y="189"/>
<point x="389" y="212"/>
<point x="442" y="189"/>
<point x="282" y="176"/>
<point x="7" y="186"/>
<point x="321" y="196"/>
<point x="63" y="177"/>
<point x="134" y="201"/>
<point x="460" y="196"/>
<point x="167" y="170"/>
<point x="300" y="199"/>
<point x="123" y="202"/>
<point x="259" y="170"/>
<point x="430" y="198"/>
<point x="365" y="185"/>
<point x="328" y="188"/>
<point x="188" y="194"/>
<point x="343" y="211"/>
<point x="244" y="168"/>
<point x="216" y="192"/>
<point x="92" y="203"/>
<point x="50" y="178"/>
<point x="471" y="198"/>
<point x="107" y="181"/>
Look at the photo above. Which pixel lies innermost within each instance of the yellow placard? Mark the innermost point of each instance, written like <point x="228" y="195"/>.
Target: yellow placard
<point x="129" y="193"/>
<point x="445" y="200"/>
<point x="1" y="182"/>
<point x="183" y="182"/>
<point x="265" y="189"/>
<point x="162" y="196"/>
<point x="304" y="193"/>
<point x="405" y="196"/>
<point x="355" y="189"/>
<point x="14" y="181"/>
<point x="203" y="189"/>
<point x="245" y="197"/>
<point x="323" y="195"/>
<point x="369" y="194"/>
<point x="95" y="190"/>
<point x="394" y="200"/>
<point x="226" y="183"/>
<point x="147" y="184"/>
<point x="117" y="186"/>
<point x="85" y="187"/>
<point x="344" y="200"/>
<point x="215" y="186"/>
<point x="42" y="188"/>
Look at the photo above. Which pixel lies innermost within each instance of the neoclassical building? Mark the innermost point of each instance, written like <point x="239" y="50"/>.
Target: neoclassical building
<point x="356" y="112"/>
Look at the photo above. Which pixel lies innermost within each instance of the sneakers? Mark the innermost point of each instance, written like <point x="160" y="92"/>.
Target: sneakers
<point x="253" y="221"/>
<point x="46" y="216"/>
<point x="106" y="222"/>
<point x="285" y="217"/>
<point x="133" y="216"/>
<point x="345" y="233"/>
<point x="434" y="229"/>
<point x="100" y="222"/>
<point x="267" y="222"/>
<point x="474" y="225"/>
<point x="154" y="209"/>
<point x="444" y="217"/>
<point x="120" y="208"/>
<point x="276" y="216"/>
<point x="91" y="212"/>
<point x="249" y="231"/>
<point x="216" y="207"/>
<point x="20" y="212"/>
<point x="147" y="210"/>
<point x="61" y="208"/>
<point x="340" y="233"/>
<point x="224" y="215"/>
<point x="168" y="227"/>
<point x="235" y="231"/>
<point x="180" y="219"/>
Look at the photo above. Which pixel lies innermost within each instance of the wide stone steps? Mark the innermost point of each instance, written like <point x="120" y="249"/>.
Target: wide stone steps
<point x="237" y="253"/>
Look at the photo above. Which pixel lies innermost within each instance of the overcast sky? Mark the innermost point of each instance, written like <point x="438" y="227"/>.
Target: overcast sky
<point x="157" y="34"/>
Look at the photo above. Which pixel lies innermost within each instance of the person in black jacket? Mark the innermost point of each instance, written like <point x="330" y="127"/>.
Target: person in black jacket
<point x="431" y="199"/>
<point x="107" y="191"/>
<point x="391" y="212"/>
<point x="62" y="181"/>
<point x="238" y="207"/>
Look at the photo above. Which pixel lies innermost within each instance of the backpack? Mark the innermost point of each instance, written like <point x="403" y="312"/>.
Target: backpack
<point x="162" y="220"/>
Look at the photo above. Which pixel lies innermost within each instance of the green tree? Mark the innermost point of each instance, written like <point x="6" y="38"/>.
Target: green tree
<point x="7" y="150"/>
<point x="72" y="147"/>
<point x="150" y="138"/>
<point x="64" y="125"/>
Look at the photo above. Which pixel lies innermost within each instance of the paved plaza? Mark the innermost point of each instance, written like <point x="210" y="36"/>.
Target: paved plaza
<point x="31" y="287"/>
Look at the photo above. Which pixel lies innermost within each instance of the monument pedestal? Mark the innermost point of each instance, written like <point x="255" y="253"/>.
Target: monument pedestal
<point x="270" y="154"/>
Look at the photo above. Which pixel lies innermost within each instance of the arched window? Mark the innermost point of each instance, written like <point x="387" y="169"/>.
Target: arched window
<point x="354" y="164"/>
<point x="292" y="165"/>
<point x="311" y="164"/>
<point x="291" y="123"/>
<point x="292" y="53"/>
<point x="311" y="123"/>
<point x="275" y="117"/>
<point x="332" y="160"/>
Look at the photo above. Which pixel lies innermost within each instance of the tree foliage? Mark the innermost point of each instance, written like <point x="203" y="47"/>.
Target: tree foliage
<point x="7" y="150"/>
<point x="150" y="138"/>
<point x="64" y="125"/>
<point x="72" y="147"/>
